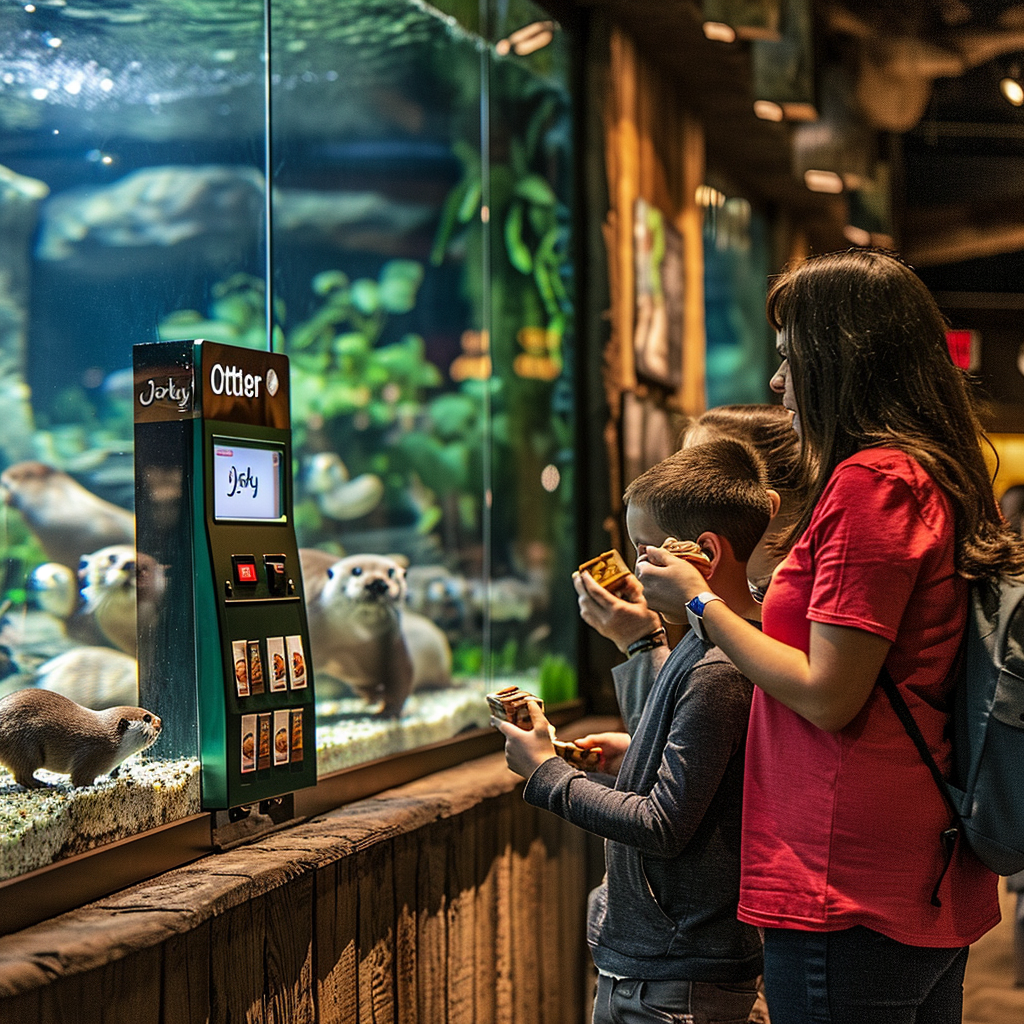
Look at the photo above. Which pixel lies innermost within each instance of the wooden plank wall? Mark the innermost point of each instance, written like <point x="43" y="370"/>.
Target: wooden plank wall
<point x="654" y="150"/>
<point x="447" y="901"/>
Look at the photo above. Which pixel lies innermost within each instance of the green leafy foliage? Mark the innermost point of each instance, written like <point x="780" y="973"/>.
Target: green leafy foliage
<point x="556" y="680"/>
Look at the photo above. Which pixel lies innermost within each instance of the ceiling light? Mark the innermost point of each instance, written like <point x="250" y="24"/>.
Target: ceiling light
<point x="1012" y="90"/>
<point x="719" y="32"/>
<point x="768" y="111"/>
<point x="823" y="181"/>
<point x="527" y="40"/>
<point x="856" y="236"/>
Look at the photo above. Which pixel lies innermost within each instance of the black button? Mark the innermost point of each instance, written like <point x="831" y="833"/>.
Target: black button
<point x="277" y="576"/>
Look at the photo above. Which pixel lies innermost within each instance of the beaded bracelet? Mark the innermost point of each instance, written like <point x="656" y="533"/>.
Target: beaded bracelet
<point x="647" y="643"/>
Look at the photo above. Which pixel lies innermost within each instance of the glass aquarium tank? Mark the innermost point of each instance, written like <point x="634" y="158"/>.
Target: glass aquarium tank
<point x="380" y="190"/>
<point x="737" y="256"/>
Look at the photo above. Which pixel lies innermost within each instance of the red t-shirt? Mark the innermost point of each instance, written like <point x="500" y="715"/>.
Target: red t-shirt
<point x="843" y="829"/>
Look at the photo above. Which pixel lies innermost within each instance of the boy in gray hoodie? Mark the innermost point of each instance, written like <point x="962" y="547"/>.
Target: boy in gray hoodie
<point x="662" y="926"/>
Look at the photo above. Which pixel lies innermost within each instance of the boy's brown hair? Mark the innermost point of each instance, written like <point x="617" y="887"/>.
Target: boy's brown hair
<point x="717" y="487"/>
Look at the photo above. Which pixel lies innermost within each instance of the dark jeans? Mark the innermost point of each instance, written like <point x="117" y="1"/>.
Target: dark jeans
<point x="858" y="976"/>
<point x="631" y="1001"/>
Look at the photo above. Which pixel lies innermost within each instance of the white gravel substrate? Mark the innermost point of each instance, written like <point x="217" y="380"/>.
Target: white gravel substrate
<point x="39" y="826"/>
<point x="428" y="717"/>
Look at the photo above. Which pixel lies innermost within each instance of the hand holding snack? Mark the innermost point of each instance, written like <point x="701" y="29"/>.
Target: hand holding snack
<point x="510" y="707"/>
<point x="613" y="747"/>
<point x="526" y="747"/>
<point x="621" y="614"/>
<point x="587" y="759"/>
<point x="670" y="580"/>
<point x="689" y="550"/>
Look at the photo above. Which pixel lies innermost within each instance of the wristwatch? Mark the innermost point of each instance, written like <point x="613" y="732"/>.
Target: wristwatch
<point x="695" y="612"/>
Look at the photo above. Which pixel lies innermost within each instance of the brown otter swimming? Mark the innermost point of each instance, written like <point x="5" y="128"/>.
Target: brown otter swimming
<point x="68" y="520"/>
<point x="122" y="589"/>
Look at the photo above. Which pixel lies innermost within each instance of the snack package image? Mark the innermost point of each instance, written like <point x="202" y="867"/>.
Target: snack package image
<point x="281" y="736"/>
<point x="240" y="658"/>
<point x="609" y="569"/>
<point x="296" y="662"/>
<point x="248" y="743"/>
<point x="276" y="660"/>
<point x="263" y="746"/>
<point x="256" y="667"/>
<point x="296" y="752"/>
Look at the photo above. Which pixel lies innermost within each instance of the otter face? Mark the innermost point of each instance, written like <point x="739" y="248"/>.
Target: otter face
<point x="106" y="571"/>
<point x="366" y="579"/>
<point x="139" y="731"/>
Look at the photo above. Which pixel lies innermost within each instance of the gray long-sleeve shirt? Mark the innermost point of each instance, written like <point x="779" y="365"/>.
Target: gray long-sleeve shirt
<point x="667" y="906"/>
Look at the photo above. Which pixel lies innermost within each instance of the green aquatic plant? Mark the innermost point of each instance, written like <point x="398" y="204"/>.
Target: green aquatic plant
<point x="237" y="315"/>
<point x="361" y="388"/>
<point x="339" y="366"/>
<point x="21" y="554"/>
<point x="556" y="679"/>
<point x="533" y="224"/>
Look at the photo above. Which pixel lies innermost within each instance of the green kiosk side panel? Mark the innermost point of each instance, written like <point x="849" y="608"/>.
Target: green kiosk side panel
<point x="226" y="663"/>
<point x="209" y="660"/>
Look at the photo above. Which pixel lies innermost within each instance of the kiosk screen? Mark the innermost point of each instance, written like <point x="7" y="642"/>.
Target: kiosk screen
<point x="246" y="482"/>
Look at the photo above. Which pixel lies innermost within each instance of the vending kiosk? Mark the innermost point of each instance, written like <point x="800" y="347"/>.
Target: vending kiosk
<point x="225" y="662"/>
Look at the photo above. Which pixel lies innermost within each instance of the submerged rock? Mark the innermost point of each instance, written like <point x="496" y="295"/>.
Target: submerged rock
<point x="208" y="213"/>
<point x="20" y="197"/>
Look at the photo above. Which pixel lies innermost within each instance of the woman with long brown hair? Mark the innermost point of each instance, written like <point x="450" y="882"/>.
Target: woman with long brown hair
<point x="841" y="850"/>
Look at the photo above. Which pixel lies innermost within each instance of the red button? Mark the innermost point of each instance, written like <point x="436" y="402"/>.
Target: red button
<point x="246" y="572"/>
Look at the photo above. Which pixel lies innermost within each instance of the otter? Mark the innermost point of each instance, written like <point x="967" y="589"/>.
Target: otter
<point x="122" y="589"/>
<point x="95" y="677"/>
<point x="360" y="632"/>
<point x="40" y="729"/>
<point x="67" y="519"/>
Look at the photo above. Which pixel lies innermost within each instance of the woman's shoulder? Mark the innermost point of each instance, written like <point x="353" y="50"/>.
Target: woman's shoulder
<point x="885" y="465"/>
<point x="891" y="479"/>
<point x="888" y="461"/>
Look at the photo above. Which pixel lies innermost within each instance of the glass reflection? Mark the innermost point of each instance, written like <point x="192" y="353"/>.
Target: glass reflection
<point x="415" y="267"/>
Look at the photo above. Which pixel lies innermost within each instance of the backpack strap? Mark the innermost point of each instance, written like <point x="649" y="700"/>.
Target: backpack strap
<point x="949" y="836"/>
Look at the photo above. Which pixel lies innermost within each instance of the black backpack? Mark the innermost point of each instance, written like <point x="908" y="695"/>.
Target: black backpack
<point x="985" y="793"/>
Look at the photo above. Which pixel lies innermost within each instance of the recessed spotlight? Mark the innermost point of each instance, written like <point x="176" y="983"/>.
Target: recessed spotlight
<point x="823" y="181"/>
<point x="768" y="111"/>
<point x="1012" y="90"/>
<point x="719" y="32"/>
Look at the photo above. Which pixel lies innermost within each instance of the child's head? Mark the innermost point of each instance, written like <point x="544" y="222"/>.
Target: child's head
<point x="718" y="487"/>
<point x="767" y="428"/>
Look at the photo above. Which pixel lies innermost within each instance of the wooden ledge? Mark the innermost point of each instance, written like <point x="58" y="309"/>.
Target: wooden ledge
<point x="180" y="900"/>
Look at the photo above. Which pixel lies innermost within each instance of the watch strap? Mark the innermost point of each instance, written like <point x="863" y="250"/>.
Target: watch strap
<point x="695" y="612"/>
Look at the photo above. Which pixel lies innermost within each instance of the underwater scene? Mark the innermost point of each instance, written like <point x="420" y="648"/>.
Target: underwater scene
<point x="380" y="190"/>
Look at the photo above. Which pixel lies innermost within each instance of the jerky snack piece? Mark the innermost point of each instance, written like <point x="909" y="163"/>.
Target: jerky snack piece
<point x="608" y="568"/>
<point x="509" y="705"/>
<point x="689" y="550"/>
<point x="579" y="757"/>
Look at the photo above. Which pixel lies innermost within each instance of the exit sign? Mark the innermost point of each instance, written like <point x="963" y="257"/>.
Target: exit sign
<point x="964" y="348"/>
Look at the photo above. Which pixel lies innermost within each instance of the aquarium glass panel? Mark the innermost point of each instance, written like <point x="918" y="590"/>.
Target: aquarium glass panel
<point x="420" y="450"/>
<point x="531" y="542"/>
<point x="411" y="256"/>
<point x="132" y="142"/>
<point x="740" y="349"/>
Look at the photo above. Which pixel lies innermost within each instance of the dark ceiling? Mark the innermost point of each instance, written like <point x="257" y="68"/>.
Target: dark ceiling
<point x="918" y="104"/>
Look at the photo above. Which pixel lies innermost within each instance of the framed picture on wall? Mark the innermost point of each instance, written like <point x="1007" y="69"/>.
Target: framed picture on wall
<point x="658" y="320"/>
